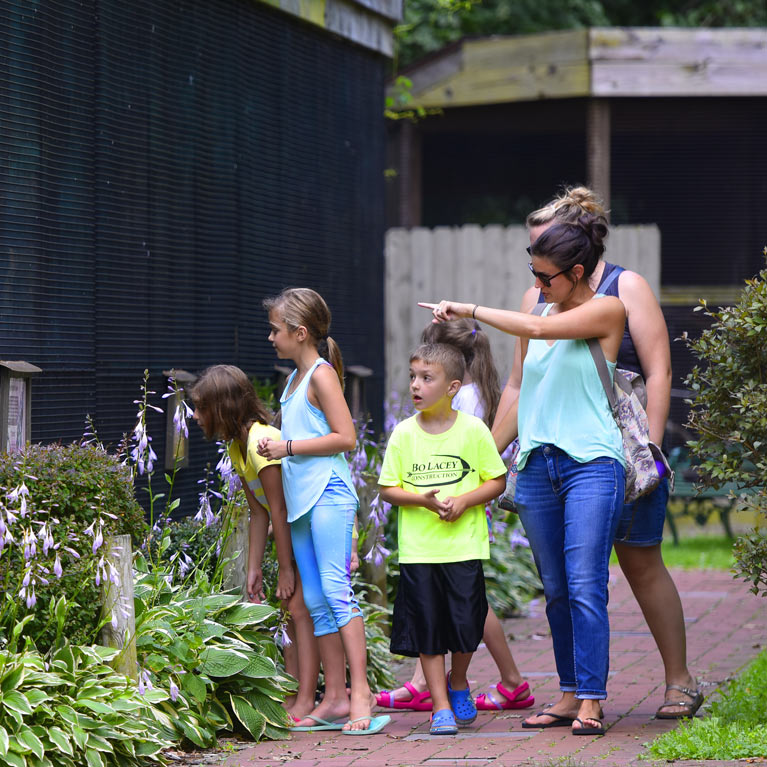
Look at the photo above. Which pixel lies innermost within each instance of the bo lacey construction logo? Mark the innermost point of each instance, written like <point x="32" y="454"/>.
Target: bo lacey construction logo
<point x="438" y="470"/>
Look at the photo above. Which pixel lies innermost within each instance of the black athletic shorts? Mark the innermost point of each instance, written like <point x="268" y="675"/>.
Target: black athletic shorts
<point x="439" y="608"/>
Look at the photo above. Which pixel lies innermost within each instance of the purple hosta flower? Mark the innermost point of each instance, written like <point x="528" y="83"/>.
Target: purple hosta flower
<point x="29" y="542"/>
<point x="228" y="475"/>
<point x="72" y="552"/>
<point x="45" y="536"/>
<point x="100" y="571"/>
<point x="141" y="685"/>
<point x="205" y="513"/>
<point x="57" y="569"/>
<point x="142" y="454"/>
<point x="173" y="691"/>
<point x="378" y="553"/>
<point x="31" y="599"/>
<point x="379" y="511"/>
<point x="285" y="639"/>
<point x="20" y="494"/>
<point x="518" y="539"/>
<point x="185" y="565"/>
<point x="499" y="527"/>
<point x="27" y="577"/>
<point x="181" y="416"/>
<point x="98" y="540"/>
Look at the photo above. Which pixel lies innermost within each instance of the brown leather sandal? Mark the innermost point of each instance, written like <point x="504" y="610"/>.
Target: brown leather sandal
<point x="689" y="706"/>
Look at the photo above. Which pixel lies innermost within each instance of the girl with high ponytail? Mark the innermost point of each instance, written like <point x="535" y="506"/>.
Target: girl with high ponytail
<point x="317" y="429"/>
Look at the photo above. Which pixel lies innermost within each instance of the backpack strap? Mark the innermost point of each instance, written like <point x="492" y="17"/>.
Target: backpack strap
<point x="614" y="274"/>
<point x="604" y="374"/>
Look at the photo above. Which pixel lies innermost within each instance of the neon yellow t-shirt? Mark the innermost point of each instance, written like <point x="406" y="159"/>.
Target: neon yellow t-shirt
<point x="455" y="462"/>
<point x="250" y="467"/>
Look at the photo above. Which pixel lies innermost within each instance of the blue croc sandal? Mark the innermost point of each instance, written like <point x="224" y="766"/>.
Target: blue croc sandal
<point x="443" y="723"/>
<point x="462" y="704"/>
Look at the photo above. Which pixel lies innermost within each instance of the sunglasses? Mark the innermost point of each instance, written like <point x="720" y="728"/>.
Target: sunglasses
<point x="545" y="279"/>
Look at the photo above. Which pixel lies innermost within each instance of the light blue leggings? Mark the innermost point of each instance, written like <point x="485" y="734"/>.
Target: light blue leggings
<point x="322" y="546"/>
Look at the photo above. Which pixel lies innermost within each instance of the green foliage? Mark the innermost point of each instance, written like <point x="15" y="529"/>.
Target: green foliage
<point x="429" y="25"/>
<point x="729" y="410"/>
<point x="377" y="622"/>
<point x="69" y="488"/>
<point x="736" y="727"/>
<point x="70" y="709"/>
<point x="214" y="653"/>
<point x="510" y="575"/>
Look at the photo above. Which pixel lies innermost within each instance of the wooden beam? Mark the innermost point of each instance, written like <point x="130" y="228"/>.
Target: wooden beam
<point x="598" y="147"/>
<point x="409" y="170"/>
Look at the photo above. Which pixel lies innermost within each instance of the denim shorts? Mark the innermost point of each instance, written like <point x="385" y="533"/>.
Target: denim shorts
<point x="641" y="522"/>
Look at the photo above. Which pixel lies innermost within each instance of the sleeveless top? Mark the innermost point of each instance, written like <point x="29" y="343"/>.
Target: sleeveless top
<point x="628" y="359"/>
<point x="562" y="402"/>
<point x="306" y="477"/>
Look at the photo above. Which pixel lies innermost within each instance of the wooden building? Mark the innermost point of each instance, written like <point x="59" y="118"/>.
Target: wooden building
<point x="667" y="124"/>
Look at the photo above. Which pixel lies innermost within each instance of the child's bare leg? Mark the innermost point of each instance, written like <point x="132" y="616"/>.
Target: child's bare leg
<point x="495" y="641"/>
<point x="418" y="681"/>
<point x="304" y="654"/>
<point x="434" y="671"/>
<point x="290" y="659"/>
<point x="335" y="703"/>
<point x="355" y="645"/>
<point x="458" y="669"/>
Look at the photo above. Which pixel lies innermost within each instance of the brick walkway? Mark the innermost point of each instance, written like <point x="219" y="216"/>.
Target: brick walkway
<point x="726" y="626"/>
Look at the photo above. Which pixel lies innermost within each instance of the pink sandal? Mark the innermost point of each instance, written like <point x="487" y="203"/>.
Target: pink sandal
<point x="418" y="701"/>
<point x="514" y="699"/>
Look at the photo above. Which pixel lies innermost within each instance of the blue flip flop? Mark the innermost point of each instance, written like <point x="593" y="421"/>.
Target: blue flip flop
<point x="462" y="704"/>
<point x="443" y="723"/>
<point x="377" y="723"/>
<point x="322" y="724"/>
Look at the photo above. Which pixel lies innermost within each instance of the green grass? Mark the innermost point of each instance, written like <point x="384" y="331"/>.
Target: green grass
<point x="735" y="727"/>
<point x="699" y="553"/>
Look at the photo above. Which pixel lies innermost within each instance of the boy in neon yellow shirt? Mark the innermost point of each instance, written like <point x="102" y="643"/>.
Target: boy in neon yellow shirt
<point x="441" y="467"/>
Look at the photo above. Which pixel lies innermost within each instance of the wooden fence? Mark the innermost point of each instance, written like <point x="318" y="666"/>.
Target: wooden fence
<point x="486" y="265"/>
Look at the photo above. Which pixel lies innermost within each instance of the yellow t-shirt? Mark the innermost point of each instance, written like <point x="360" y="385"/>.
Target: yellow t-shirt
<point x="455" y="462"/>
<point x="250" y="467"/>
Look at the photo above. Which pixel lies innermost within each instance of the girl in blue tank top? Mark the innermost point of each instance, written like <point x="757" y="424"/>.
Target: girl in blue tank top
<point x="317" y="428"/>
<point x="571" y="478"/>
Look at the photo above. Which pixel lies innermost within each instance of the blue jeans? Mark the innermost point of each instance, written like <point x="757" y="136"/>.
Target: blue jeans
<point x="322" y="546"/>
<point x="570" y="511"/>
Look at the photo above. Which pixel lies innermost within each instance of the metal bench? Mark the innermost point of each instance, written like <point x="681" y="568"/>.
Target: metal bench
<point x="697" y="501"/>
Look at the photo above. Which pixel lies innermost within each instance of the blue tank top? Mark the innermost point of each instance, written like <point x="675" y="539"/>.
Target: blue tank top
<point x="562" y="402"/>
<point x="628" y="359"/>
<point x="306" y="477"/>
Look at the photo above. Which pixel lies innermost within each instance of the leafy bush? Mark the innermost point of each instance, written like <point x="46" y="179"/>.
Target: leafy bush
<point x="71" y="710"/>
<point x="58" y="504"/>
<point x="214" y="654"/>
<point x="735" y="728"/>
<point x="729" y="411"/>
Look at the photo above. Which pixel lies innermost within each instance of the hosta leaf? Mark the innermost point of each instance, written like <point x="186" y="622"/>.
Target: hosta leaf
<point x="68" y="714"/>
<point x="80" y="736"/>
<point x="35" y="697"/>
<point x="218" y="716"/>
<point x="196" y="734"/>
<point x="60" y="740"/>
<point x="16" y="701"/>
<point x="259" y="667"/>
<point x="14" y="760"/>
<point x="3" y="741"/>
<point x="217" y="602"/>
<point x="192" y="684"/>
<point x="30" y="742"/>
<point x="93" y="758"/>
<point x="218" y="662"/>
<point x="64" y="659"/>
<point x="12" y="679"/>
<point x="211" y="629"/>
<point x="96" y="706"/>
<point x="275" y="714"/>
<point x="100" y="744"/>
<point x="247" y="614"/>
<point x="253" y="722"/>
<point x="276" y="733"/>
<point x="156" y="695"/>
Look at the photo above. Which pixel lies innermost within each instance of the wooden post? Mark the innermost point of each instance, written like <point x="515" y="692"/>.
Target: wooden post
<point x="598" y="147"/>
<point x="235" y="550"/>
<point x="409" y="169"/>
<point x="118" y="609"/>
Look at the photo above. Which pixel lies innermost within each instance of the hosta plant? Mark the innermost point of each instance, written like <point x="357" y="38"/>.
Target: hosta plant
<point x="214" y="655"/>
<point x="70" y="709"/>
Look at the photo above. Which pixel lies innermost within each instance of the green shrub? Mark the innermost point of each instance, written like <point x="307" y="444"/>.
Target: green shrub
<point x="70" y="709"/>
<point x="66" y="499"/>
<point x="728" y="411"/>
<point x="213" y="654"/>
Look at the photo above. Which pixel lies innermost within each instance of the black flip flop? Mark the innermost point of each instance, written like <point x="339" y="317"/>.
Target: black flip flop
<point x="559" y="721"/>
<point x="583" y="730"/>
